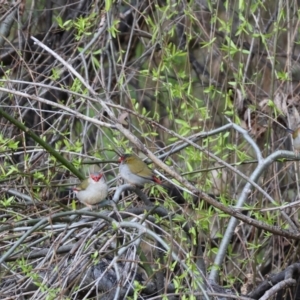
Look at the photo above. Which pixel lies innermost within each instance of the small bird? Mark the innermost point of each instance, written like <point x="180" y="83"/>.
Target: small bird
<point x="296" y="137"/>
<point x="92" y="190"/>
<point x="135" y="171"/>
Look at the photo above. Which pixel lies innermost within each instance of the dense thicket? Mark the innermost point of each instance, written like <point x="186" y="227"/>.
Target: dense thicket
<point x="206" y="91"/>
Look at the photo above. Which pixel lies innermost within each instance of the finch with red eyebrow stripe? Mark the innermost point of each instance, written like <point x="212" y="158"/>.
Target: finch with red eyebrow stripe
<point x="92" y="190"/>
<point x="136" y="172"/>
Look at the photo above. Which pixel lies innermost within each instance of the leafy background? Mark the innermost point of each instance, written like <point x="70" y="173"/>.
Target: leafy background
<point x="203" y="89"/>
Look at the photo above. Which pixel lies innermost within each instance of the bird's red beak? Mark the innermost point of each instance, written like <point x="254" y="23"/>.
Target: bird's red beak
<point x="121" y="158"/>
<point x="96" y="177"/>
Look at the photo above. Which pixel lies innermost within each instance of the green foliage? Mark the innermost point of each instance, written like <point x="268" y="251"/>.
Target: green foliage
<point x="52" y="293"/>
<point x="83" y="25"/>
<point x="114" y="28"/>
<point x="55" y="74"/>
<point x="6" y="202"/>
<point x="137" y="289"/>
<point x="178" y="69"/>
<point x="7" y="144"/>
